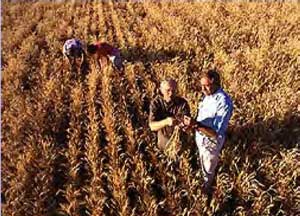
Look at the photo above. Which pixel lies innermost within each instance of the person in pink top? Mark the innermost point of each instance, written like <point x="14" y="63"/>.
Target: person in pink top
<point x="102" y="52"/>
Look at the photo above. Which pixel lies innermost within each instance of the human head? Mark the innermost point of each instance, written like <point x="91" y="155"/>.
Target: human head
<point x="210" y="82"/>
<point x="91" y="49"/>
<point x="168" y="88"/>
<point x="75" y="52"/>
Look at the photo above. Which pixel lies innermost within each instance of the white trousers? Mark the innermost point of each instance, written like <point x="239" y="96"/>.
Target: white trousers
<point x="209" y="151"/>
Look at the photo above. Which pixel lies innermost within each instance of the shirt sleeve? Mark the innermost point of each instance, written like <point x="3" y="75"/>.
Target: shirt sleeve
<point x="224" y="112"/>
<point x="153" y="113"/>
<point x="186" y="109"/>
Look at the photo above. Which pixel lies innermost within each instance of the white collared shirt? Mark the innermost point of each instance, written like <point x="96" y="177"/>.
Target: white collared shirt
<point x="214" y="111"/>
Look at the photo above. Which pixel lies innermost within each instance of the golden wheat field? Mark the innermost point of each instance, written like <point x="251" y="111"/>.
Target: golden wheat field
<point x="78" y="142"/>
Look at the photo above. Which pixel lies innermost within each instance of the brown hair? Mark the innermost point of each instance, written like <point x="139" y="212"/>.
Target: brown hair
<point x="213" y="75"/>
<point x="91" y="48"/>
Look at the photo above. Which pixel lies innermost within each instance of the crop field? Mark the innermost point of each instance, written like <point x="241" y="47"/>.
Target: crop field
<point x="77" y="142"/>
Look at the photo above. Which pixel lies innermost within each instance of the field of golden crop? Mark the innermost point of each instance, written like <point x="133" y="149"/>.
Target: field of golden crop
<point x="78" y="142"/>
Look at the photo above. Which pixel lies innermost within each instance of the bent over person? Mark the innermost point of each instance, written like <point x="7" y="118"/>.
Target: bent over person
<point x="164" y="110"/>
<point x="214" y="112"/>
<point x="73" y="51"/>
<point x="102" y="52"/>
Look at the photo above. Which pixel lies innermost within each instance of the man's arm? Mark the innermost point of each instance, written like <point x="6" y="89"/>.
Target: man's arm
<point x="102" y="60"/>
<point x="98" y="63"/>
<point x="193" y="124"/>
<point x="224" y="112"/>
<point x="69" y="60"/>
<point x="225" y="109"/>
<point x="205" y="130"/>
<point x="157" y="125"/>
<point x="83" y="56"/>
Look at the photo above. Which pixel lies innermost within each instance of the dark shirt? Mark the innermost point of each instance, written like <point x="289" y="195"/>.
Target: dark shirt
<point x="160" y="109"/>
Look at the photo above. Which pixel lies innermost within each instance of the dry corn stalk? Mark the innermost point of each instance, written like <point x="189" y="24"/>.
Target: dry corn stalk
<point x="172" y="146"/>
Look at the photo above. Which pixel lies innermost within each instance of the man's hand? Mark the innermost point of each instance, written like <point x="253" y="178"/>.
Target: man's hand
<point x="186" y="123"/>
<point x="172" y="121"/>
<point x="187" y="120"/>
<point x="157" y="125"/>
<point x="198" y="126"/>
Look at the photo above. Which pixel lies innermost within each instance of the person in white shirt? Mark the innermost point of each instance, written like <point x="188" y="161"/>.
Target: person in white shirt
<point x="214" y="112"/>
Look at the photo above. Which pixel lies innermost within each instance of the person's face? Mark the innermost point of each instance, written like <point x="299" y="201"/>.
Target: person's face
<point x="168" y="91"/>
<point x="207" y="86"/>
<point x="78" y="61"/>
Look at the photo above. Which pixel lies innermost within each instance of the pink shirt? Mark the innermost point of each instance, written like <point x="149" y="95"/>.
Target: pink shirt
<point x="106" y="49"/>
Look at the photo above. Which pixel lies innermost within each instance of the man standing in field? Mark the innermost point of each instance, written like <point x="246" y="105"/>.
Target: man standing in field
<point x="214" y="112"/>
<point x="102" y="52"/>
<point x="164" y="110"/>
<point x="74" y="52"/>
